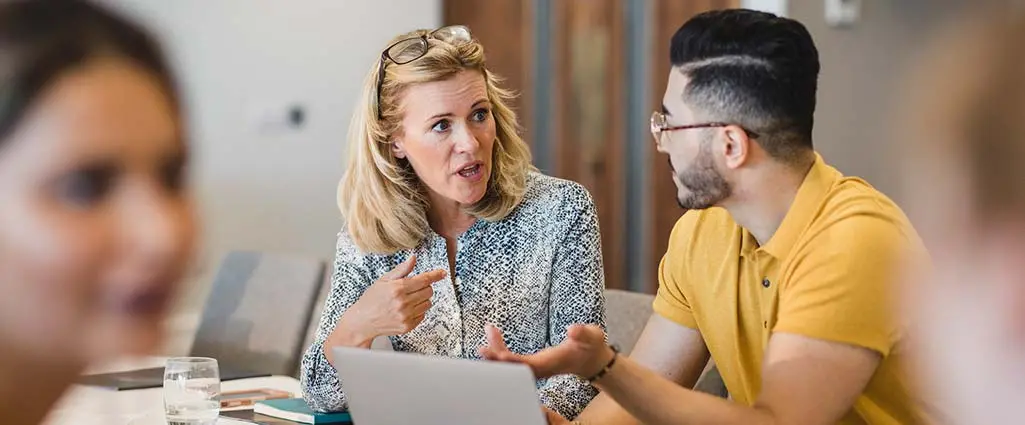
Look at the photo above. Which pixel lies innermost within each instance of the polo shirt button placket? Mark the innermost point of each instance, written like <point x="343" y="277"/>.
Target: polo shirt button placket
<point x="766" y="284"/>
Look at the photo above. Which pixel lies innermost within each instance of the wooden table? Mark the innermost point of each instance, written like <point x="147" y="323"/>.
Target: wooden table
<point x="97" y="406"/>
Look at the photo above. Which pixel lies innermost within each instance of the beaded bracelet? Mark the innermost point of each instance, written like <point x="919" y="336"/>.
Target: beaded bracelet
<point x="605" y="370"/>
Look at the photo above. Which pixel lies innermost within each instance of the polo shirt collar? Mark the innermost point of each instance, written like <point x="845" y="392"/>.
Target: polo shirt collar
<point x="820" y="178"/>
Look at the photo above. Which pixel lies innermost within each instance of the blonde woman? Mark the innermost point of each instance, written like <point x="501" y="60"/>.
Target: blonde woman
<point x="449" y="227"/>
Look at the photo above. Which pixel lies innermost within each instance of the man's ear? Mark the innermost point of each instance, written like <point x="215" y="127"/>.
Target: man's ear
<point x="736" y="146"/>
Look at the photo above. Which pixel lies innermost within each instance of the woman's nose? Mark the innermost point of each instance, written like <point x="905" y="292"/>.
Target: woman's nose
<point x="466" y="140"/>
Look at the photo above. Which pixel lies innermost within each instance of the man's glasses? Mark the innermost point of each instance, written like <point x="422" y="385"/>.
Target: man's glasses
<point x="659" y="125"/>
<point x="410" y="49"/>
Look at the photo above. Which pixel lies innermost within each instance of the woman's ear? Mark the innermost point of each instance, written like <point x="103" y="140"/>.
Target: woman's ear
<point x="397" y="149"/>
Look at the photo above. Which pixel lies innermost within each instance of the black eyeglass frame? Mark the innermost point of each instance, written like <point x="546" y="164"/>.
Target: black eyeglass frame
<point x="387" y="54"/>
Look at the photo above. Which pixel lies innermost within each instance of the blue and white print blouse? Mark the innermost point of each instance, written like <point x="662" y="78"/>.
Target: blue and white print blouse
<point x="532" y="274"/>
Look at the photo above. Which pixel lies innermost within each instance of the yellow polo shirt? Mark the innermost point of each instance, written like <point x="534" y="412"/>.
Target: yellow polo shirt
<point x="827" y="273"/>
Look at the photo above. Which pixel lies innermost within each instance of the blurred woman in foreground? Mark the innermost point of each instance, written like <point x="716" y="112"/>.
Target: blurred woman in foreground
<point x="966" y="183"/>
<point x="96" y="224"/>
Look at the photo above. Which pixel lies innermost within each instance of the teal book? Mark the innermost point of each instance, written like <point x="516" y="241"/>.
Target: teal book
<point x="296" y="410"/>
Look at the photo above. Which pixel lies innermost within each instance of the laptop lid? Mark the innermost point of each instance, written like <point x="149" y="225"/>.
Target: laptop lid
<point x="390" y="388"/>
<point x="153" y="378"/>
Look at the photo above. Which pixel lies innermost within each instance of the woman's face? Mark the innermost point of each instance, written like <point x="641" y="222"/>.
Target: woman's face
<point x="447" y="133"/>
<point x="96" y="224"/>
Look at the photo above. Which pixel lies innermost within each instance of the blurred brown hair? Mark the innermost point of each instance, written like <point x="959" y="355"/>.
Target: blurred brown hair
<point x="41" y="40"/>
<point x="968" y="120"/>
<point x="994" y="148"/>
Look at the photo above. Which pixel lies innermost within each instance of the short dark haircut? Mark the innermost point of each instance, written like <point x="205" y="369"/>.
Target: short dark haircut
<point x="41" y="40"/>
<point x="754" y="69"/>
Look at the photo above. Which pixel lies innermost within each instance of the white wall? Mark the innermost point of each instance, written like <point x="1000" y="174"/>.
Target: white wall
<point x="271" y="189"/>
<point x="777" y="7"/>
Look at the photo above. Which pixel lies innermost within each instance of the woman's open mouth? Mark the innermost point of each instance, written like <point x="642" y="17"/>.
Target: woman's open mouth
<point x="472" y="172"/>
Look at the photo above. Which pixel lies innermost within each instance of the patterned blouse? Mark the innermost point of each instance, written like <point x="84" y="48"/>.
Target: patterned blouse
<point x="532" y="274"/>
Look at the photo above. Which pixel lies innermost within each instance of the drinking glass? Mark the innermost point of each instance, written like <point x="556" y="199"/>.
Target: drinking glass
<point x="192" y="390"/>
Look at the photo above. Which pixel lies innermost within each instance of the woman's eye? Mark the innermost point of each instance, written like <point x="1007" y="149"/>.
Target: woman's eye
<point x="481" y="115"/>
<point x="441" y="126"/>
<point x="173" y="175"/>
<point x="87" y="187"/>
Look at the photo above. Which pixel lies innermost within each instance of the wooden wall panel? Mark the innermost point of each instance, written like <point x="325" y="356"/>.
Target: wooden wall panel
<point x="505" y="29"/>
<point x="588" y="120"/>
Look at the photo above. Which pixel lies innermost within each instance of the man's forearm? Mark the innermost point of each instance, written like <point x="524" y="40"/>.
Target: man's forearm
<point x="605" y="411"/>
<point x="653" y="399"/>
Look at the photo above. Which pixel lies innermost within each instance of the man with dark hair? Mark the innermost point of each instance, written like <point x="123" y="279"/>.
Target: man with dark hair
<point x="782" y="270"/>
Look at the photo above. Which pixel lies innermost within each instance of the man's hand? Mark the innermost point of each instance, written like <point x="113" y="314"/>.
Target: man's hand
<point x="584" y="353"/>
<point x="675" y="352"/>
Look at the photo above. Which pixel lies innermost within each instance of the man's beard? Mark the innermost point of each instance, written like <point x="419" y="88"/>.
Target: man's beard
<point x="706" y="186"/>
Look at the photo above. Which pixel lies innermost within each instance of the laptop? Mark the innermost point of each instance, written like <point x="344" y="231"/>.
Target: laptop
<point x="392" y="388"/>
<point x="152" y="378"/>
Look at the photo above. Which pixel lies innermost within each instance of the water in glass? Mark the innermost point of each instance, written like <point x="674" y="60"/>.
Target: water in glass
<point x="192" y="390"/>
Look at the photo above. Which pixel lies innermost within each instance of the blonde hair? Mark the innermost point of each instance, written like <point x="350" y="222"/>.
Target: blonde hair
<point x="381" y="198"/>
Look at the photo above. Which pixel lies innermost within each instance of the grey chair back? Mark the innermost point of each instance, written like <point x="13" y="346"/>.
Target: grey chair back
<point x="258" y="311"/>
<point x="317" y="310"/>
<point x="626" y="315"/>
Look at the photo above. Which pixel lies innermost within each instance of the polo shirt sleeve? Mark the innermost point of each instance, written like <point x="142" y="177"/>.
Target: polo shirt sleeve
<point x="671" y="301"/>
<point x="842" y="283"/>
